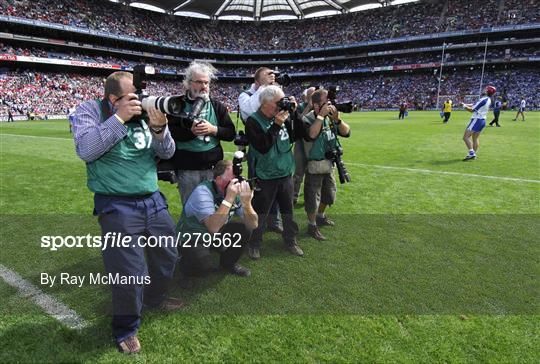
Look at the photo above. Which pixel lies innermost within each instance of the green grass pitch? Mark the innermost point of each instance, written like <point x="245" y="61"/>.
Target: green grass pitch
<point x="431" y="260"/>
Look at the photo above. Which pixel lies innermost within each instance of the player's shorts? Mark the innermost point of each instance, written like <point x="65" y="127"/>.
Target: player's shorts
<point x="476" y="125"/>
<point x="521" y="109"/>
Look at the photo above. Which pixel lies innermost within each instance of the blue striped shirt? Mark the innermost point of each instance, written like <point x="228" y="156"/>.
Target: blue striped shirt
<point x="94" y="138"/>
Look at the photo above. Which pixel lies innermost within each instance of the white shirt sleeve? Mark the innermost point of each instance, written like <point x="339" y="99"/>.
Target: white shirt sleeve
<point x="249" y="104"/>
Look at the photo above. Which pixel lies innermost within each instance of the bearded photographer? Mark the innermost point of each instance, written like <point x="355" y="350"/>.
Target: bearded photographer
<point x="119" y="148"/>
<point x="208" y="211"/>
<point x="248" y="103"/>
<point x="198" y="147"/>
<point x="271" y="134"/>
<point x="319" y="180"/>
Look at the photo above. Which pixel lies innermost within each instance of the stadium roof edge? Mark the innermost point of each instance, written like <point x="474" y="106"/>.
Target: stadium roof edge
<point x="258" y="10"/>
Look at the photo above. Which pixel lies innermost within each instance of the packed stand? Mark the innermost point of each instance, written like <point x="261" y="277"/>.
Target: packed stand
<point x="55" y="93"/>
<point x="247" y="70"/>
<point x="399" y="20"/>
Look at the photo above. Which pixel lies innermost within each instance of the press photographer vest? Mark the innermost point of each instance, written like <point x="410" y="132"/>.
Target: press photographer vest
<point x="197" y="144"/>
<point x="190" y="225"/>
<point x="278" y="162"/>
<point x="129" y="168"/>
<point x="326" y="141"/>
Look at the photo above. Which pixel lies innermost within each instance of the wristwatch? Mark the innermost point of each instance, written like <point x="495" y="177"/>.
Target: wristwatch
<point x="157" y="130"/>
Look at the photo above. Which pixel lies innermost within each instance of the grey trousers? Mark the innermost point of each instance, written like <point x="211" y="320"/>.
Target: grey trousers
<point x="188" y="180"/>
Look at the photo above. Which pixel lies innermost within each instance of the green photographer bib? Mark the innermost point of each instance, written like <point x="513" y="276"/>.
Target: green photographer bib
<point x="198" y="144"/>
<point x="326" y="141"/>
<point x="128" y="168"/>
<point x="278" y="162"/>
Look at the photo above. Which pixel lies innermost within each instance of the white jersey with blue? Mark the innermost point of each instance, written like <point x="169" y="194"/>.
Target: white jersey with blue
<point x="522" y="105"/>
<point x="480" y="111"/>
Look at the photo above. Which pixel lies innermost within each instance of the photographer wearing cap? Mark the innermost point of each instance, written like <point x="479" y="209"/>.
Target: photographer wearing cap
<point x="198" y="146"/>
<point x="119" y="149"/>
<point x="249" y="102"/>
<point x="319" y="182"/>
<point x="208" y="212"/>
<point x="271" y="134"/>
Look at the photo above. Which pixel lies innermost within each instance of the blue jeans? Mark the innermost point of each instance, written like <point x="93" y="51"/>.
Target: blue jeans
<point x="136" y="217"/>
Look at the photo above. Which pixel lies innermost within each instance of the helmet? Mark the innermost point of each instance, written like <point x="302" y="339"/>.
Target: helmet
<point x="490" y="90"/>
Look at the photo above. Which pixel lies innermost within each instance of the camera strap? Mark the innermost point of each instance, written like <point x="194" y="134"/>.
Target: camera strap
<point x="106" y="110"/>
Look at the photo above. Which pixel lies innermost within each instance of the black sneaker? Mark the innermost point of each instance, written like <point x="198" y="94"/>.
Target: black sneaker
<point x="469" y="158"/>
<point x="324" y="221"/>
<point x="240" y="271"/>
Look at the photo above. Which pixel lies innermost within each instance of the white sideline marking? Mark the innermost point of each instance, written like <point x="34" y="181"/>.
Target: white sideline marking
<point x="415" y="170"/>
<point x="35" y="136"/>
<point x="418" y="170"/>
<point x="49" y="304"/>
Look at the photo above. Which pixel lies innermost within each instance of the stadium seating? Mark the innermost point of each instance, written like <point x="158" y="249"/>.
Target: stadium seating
<point x="401" y="20"/>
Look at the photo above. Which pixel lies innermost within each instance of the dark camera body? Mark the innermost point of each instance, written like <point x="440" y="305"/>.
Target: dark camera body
<point x="345" y="107"/>
<point x="286" y="104"/>
<point x="282" y="78"/>
<point x="335" y="156"/>
<point x="241" y="139"/>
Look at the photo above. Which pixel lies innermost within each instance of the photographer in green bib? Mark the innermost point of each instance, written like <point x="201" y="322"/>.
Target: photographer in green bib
<point x="120" y="148"/>
<point x="197" y="139"/>
<point x="271" y="132"/>
<point x="207" y="224"/>
<point x="323" y="123"/>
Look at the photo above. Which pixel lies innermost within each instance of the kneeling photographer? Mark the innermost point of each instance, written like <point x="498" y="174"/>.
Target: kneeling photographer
<point x="198" y="134"/>
<point x="206" y="224"/>
<point x="322" y="150"/>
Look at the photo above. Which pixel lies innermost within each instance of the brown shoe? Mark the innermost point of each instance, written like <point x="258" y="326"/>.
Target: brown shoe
<point x="130" y="345"/>
<point x="294" y="249"/>
<point x="314" y="232"/>
<point x="172" y="304"/>
<point x="324" y="221"/>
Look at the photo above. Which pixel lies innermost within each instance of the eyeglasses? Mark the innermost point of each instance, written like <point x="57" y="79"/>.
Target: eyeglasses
<point x="201" y="83"/>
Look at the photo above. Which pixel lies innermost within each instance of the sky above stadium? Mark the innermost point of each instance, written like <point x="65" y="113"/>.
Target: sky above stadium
<point x="260" y="9"/>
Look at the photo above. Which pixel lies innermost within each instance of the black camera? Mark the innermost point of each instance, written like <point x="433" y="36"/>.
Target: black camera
<point x="282" y="78"/>
<point x="238" y="158"/>
<point x="241" y="140"/>
<point x="171" y="105"/>
<point x="335" y="156"/>
<point x="286" y="104"/>
<point x="345" y="107"/>
<point x="187" y="119"/>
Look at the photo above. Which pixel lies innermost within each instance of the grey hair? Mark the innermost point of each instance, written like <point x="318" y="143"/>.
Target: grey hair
<point x="269" y="93"/>
<point x="199" y="67"/>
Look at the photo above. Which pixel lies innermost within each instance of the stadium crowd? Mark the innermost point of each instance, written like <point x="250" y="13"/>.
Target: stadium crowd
<point x="400" y="20"/>
<point x="324" y="67"/>
<point x="54" y="93"/>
